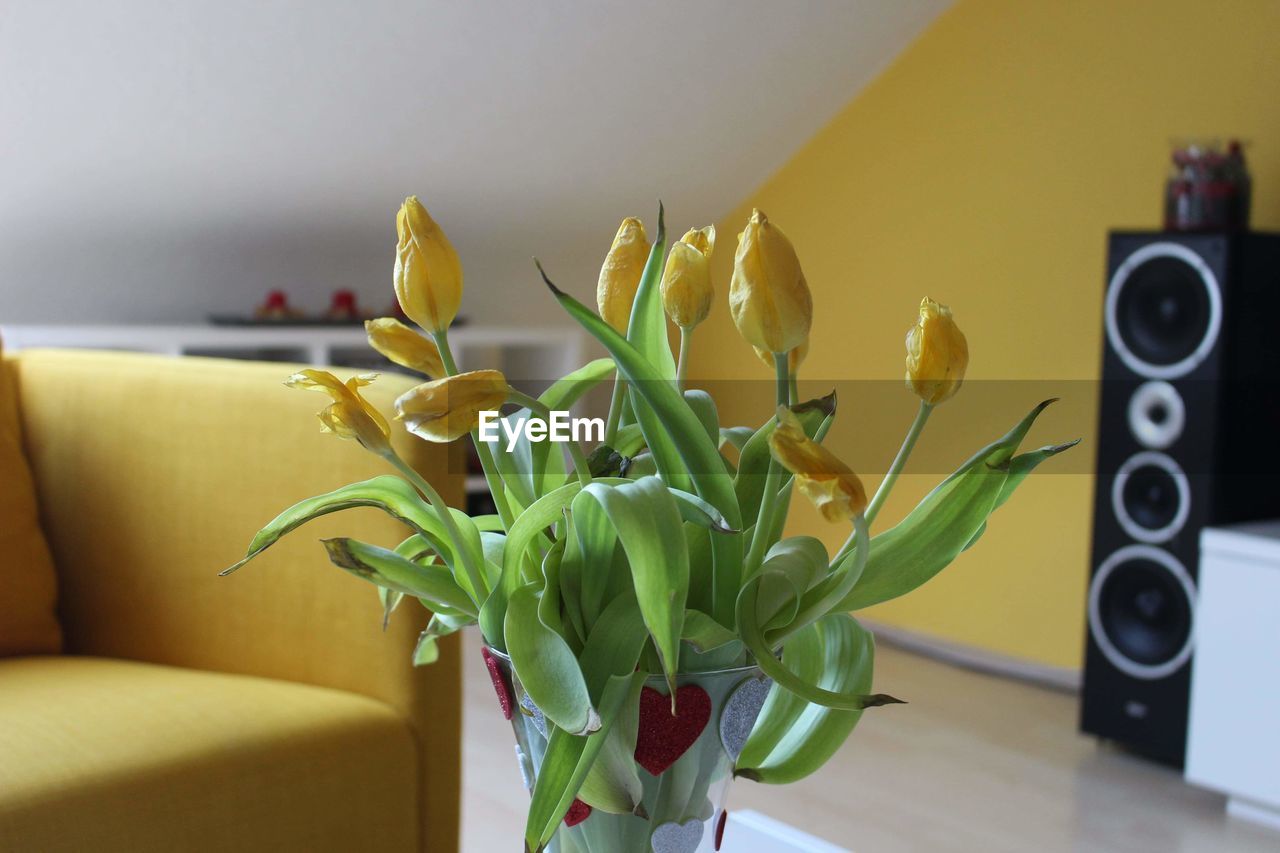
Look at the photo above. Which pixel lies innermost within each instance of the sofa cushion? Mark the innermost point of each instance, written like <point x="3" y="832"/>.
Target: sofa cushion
<point x="28" y="586"/>
<point x="109" y="755"/>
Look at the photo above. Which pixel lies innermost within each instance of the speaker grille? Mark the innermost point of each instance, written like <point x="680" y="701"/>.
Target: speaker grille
<point x="1164" y="311"/>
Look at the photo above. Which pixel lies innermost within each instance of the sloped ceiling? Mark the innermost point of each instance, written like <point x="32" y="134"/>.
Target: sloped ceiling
<point x="162" y="160"/>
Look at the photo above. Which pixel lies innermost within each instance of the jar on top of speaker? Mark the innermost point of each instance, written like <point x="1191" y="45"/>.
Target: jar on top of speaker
<point x="1209" y="187"/>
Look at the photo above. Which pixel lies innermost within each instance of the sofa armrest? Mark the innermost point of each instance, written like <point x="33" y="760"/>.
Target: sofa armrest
<point x="152" y="475"/>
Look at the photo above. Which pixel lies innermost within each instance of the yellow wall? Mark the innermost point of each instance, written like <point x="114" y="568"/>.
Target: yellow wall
<point x="984" y="168"/>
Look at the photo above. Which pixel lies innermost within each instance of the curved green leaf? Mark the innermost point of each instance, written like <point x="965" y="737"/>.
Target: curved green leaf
<point x="682" y="427"/>
<point x="387" y="569"/>
<point x="541" y="514"/>
<point x="947" y="521"/>
<point x="547" y="667"/>
<point x="645" y="516"/>
<point x="843" y="655"/>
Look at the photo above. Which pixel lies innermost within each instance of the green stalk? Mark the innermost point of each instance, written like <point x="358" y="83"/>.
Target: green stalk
<point x="615" y="409"/>
<point x="764" y="520"/>
<point x="686" y="337"/>
<point x="580" y="466"/>
<point x="886" y="485"/>
<point x="446" y="518"/>
<point x="491" y="476"/>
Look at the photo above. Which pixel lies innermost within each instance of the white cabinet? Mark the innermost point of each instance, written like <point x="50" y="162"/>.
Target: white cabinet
<point x="1233" y="738"/>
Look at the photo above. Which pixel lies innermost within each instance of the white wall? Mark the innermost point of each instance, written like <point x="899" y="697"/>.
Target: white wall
<point x="159" y="160"/>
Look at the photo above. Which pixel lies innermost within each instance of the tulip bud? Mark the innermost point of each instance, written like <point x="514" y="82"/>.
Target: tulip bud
<point x="795" y="358"/>
<point x="447" y="409"/>
<point x="830" y="484"/>
<point x="404" y="346"/>
<point x="768" y="296"/>
<point x="686" y="279"/>
<point x="621" y="272"/>
<point x="937" y="354"/>
<point x="428" y="274"/>
<point x="351" y="415"/>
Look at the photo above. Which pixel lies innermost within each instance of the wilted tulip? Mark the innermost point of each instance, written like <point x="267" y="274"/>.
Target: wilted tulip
<point x="834" y="489"/>
<point x="937" y="354"/>
<point x="351" y="415"/>
<point x="404" y="346"/>
<point x="447" y="409"/>
<point x="686" y="279"/>
<point x="620" y="274"/>
<point x="768" y="296"/>
<point x="428" y="274"/>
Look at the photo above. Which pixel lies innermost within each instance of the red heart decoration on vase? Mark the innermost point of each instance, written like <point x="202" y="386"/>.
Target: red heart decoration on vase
<point x="499" y="682"/>
<point x="663" y="737"/>
<point x="578" y="812"/>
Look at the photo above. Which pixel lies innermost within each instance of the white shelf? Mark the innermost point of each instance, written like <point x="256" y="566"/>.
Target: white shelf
<point x="537" y="353"/>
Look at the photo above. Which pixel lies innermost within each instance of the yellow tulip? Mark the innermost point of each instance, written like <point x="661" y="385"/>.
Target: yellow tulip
<point x="795" y="358"/>
<point x="404" y="346"/>
<point x="937" y="354"/>
<point x="834" y="489"/>
<point x="621" y="272"/>
<point x="768" y="296"/>
<point x="686" y="279"/>
<point x="428" y="274"/>
<point x="351" y="415"/>
<point x="449" y="408"/>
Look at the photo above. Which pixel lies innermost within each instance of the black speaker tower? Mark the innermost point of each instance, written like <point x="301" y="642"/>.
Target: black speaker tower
<point x="1188" y="425"/>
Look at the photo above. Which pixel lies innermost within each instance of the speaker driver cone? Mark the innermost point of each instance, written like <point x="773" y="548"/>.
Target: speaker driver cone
<point x="1141" y="606"/>
<point x="1164" y="311"/>
<point x="1151" y="497"/>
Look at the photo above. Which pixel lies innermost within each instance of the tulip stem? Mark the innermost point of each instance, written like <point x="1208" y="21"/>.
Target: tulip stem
<point x="615" y="410"/>
<point x="772" y="481"/>
<point x="491" y="476"/>
<point x="686" y="338"/>
<point x="446" y="518"/>
<point x="580" y="466"/>
<point x="899" y="461"/>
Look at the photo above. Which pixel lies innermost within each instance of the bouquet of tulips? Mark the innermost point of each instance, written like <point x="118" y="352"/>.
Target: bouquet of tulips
<point x="660" y="553"/>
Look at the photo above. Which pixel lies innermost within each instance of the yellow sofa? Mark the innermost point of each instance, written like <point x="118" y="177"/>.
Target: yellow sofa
<point x="265" y="711"/>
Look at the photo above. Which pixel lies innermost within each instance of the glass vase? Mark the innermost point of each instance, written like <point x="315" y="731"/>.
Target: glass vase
<point x="684" y="762"/>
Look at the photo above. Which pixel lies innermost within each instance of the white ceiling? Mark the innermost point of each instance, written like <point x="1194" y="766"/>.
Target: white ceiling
<point x="162" y="159"/>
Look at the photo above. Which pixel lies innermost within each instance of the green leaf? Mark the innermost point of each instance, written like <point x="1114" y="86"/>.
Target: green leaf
<point x="681" y="426"/>
<point x="843" y="653"/>
<point x="566" y="763"/>
<point x="390" y="601"/>
<point x="704" y="633"/>
<point x="612" y="784"/>
<point x="647" y="329"/>
<point x="736" y="436"/>
<point x="749" y="627"/>
<point x="393" y="496"/>
<point x="547" y="667"/>
<point x="530" y="469"/>
<point x="791" y="567"/>
<point x="645" y="515"/>
<point x="705" y="408"/>
<point x="541" y="514"/>
<point x="387" y="569"/>
<point x="803" y="656"/>
<point x="946" y="522"/>
<point x="608" y="665"/>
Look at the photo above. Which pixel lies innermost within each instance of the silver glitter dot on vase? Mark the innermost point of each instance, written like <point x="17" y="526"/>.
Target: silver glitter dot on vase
<point x="678" y="837"/>
<point x="740" y="712"/>
<point x="535" y="714"/>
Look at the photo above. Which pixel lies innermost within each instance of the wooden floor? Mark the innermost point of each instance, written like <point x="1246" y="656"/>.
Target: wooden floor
<point x="973" y="763"/>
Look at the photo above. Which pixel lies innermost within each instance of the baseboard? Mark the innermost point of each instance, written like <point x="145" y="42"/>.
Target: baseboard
<point x="1066" y="679"/>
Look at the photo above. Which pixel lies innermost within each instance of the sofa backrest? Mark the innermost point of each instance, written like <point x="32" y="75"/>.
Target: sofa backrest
<point x="28" y="585"/>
